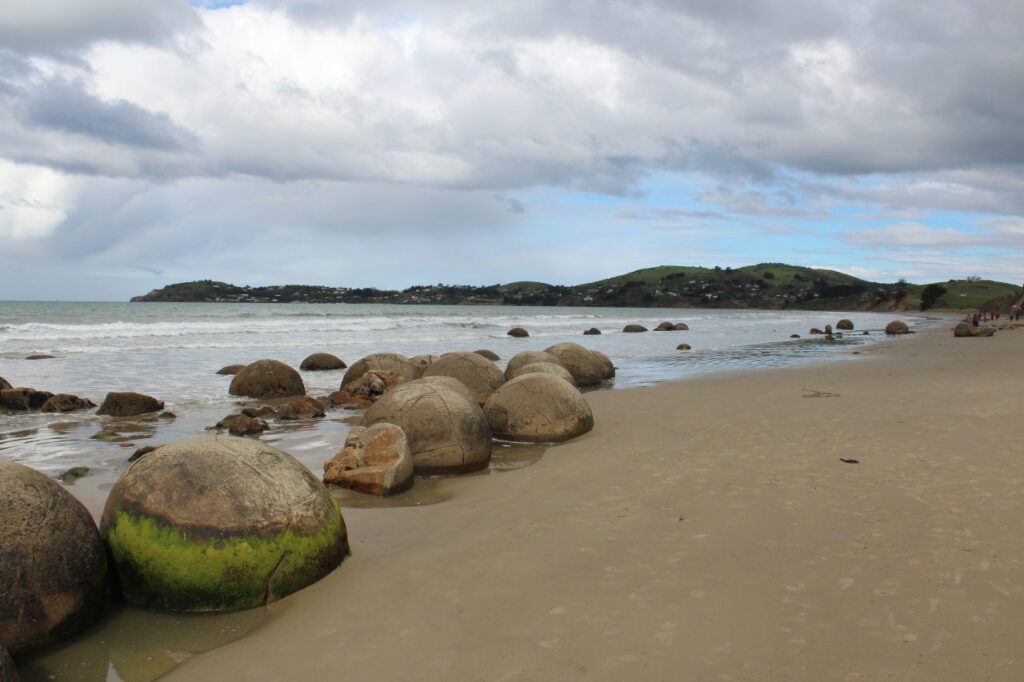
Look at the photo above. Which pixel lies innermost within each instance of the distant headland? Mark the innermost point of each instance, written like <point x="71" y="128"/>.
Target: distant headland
<point x="768" y="286"/>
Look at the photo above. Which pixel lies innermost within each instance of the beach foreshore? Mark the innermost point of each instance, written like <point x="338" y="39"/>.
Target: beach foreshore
<point x="854" y="520"/>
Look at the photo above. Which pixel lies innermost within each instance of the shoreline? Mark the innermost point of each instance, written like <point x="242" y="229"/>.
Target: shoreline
<point x="705" y="529"/>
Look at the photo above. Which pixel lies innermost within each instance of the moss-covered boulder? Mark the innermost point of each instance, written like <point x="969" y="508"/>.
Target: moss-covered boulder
<point x="395" y="364"/>
<point x="478" y="373"/>
<point x="447" y="431"/>
<point x="217" y="523"/>
<point x="584" y="366"/>
<point x="52" y="564"/>
<point x="538" y="408"/>
<point x="266" y="379"/>
<point x="321" y="362"/>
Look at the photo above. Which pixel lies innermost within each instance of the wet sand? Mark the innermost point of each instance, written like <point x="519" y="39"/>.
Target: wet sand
<point x="705" y="529"/>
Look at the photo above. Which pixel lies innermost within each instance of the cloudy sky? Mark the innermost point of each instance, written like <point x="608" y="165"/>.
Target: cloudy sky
<point x="398" y="142"/>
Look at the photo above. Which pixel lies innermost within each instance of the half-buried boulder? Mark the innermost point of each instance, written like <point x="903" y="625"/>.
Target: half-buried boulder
<point x="23" y="399"/>
<point x="376" y="460"/>
<point x="545" y="368"/>
<point x="518" y="332"/>
<point x="593" y="331"/>
<point x="447" y="432"/>
<point x="634" y="328"/>
<point x="680" y="327"/>
<point x="393" y="363"/>
<point x="478" y="373"/>
<point x="896" y="327"/>
<point x="230" y="369"/>
<point x="585" y="367"/>
<point x="128" y="404"/>
<point x="527" y="357"/>
<point x="321" y="362"/>
<point x="218" y="522"/>
<point x="538" y="408"/>
<point x="665" y="327"/>
<point x="52" y="564"/>
<point x="266" y="379"/>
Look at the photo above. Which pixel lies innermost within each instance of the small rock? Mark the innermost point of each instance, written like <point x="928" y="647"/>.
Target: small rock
<point x="127" y="404"/>
<point x="241" y="425"/>
<point x="794" y="336"/>
<point x="73" y="474"/>
<point x="40" y="356"/>
<point x="593" y="331"/>
<point x="365" y="390"/>
<point x="815" y="330"/>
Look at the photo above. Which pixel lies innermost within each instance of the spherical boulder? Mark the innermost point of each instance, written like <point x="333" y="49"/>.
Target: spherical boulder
<point x="683" y="346"/>
<point x="489" y="354"/>
<point x="265" y="379"/>
<point x="230" y="369"/>
<point x="321" y="362"/>
<point x="518" y="332"/>
<point x="593" y="331"/>
<point x="680" y="327"/>
<point x="375" y="460"/>
<point x="538" y="408"/>
<point x="844" y="324"/>
<point x="897" y="327"/>
<point x="420" y="364"/>
<point x="665" y="327"/>
<point x="450" y="383"/>
<point x="393" y="363"/>
<point x="479" y="374"/>
<point x="607" y="368"/>
<point x="634" y="328"/>
<point x="527" y="357"/>
<point x="52" y="564"/>
<point x="545" y="368"/>
<point x="447" y="432"/>
<point x="217" y="523"/>
<point x="585" y="367"/>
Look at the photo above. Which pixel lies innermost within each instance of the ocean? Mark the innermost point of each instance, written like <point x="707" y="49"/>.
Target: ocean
<point x="173" y="350"/>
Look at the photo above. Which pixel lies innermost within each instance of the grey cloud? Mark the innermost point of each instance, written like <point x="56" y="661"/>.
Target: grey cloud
<point x="68" y="108"/>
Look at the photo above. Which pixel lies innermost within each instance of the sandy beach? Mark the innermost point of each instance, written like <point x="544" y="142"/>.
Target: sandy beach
<point x="706" y="529"/>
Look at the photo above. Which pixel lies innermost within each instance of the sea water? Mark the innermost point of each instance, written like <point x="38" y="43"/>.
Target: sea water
<point x="172" y="351"/>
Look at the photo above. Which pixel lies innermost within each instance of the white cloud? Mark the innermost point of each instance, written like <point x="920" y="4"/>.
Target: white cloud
<point x="33" y="201"/>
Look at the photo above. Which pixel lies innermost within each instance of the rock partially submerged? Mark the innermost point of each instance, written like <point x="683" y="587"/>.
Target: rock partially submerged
<point x="217" y="522"/>
<point x="446" y="430"/>
<point x="23" y="399"/>
<point x="634" y="328"/>
<point x="844" y="324"/>
<point x="593" y="331"/>
<point x="266" y="379"/>
<point x="65" y="402"/>
<point x="52" y="564"/>
<point x="897" y="327"/>
<point x="538" y="408"/>
<point x="584" y="366"/>
<point x="376" y="460"/>
<point x="518" y="332"/>
<point x="365" y="390"/>
<point x="230" y="369"/>
<point x="128" y="404"/>
<point x="321" y="362"/>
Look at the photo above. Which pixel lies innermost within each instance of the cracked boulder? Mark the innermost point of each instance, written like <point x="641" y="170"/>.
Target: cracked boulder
<point x="376" y="460"/>
<point x="219" y="523"/>
<point x="52" y="564"/>
<point x="538" y="408"/>
<point x="478" y="373"/>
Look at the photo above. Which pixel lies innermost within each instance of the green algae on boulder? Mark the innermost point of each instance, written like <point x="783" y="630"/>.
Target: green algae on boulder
<point x="52" y="564"/>
<point x="217" y="523"/>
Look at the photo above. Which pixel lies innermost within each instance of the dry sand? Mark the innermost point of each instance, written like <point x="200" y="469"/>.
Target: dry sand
<point x="705" y="530"/>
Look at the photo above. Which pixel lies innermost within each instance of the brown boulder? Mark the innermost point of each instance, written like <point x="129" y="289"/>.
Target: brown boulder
<point x="844" y="324"/>
<point x="23" y="399"/>
<point x="545" y="368"/>
<point x="967" y="329"/>
<point x="231" y="369"/>
<point x="305" y="408"/>
<point x="896" y="327"/>
<point x="392" y="363"/>
<point x="680" y="327"/>
<point x="489" y="354"/>
<point x="634" y="328"/>
<point x="321" y="362"/>
<point x="527" y="357"/>
<point x="683" y="346"/>
<point x="593" y="331"/>
<point x="376" y="460"/>
<point x="585" y="367"/>
<point x="446" y="431"/>
<point x="479" y="375"/>
<point x="607" y="368"/>
<point x="518" y="332"/>
<point x="665" y="327"/>
<point x="538" y="408"/>
<point x="265" y="379"/>
<point x="65" y="402"/>
<point x="815" y="330"/>
<point x="362" y="392"/>
<point x="128" y="404"/>
<point x="52" y="563"/>
<point x="450" y="383"/>
<point x="241" y="425"/>
<point x="4" y="384"/>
